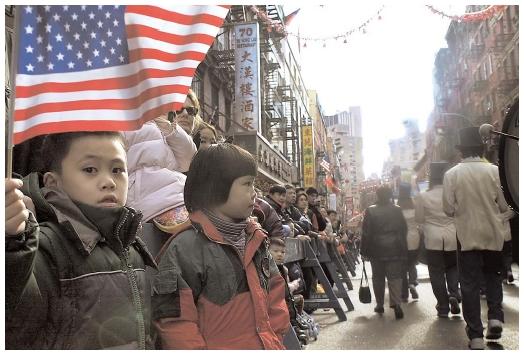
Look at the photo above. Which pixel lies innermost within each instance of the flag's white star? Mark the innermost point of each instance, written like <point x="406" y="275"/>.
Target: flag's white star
<point x="91" y="15"/>
<point x="89" y="63"/>
<point x="56" y="17"/>
<point x="60" y="56"/>
<point x="39" y="39"/>
<point x="100" y="24"/>
<point x="49" y="47"/>
<point x="100" y="7"/>
<point x="40" y="58"/>
<point x="74" y="16"/>
<point x="58" y="37"/>
<point x="103" y="43"/>
<point x="50" y="66"/>
<point x="48" y="28"/>
<point x="121" y="58"/>
<point x="117" y="6"/>
<point x="71" y="65"/>
<point x="65" y="7"/>
<point x="79" y="55"/>
<point x="84" y="26"/>
<point x="96" y="53"/>
<point x="106" y="61"/>
<point x="93" y="35"/>
<point x="77" y="36"/>
<point x="83" y="7"/>
<point x="115" y="23"/>
<point x="108" y="15"/>
<point x="28" y="29"/>
<point x="112" y="51"/>
<point x="29" y="67"/>
<point x="109" y="33"/>
<point x="28" y="10"/>
<point x="67" y="27"/>
<point x="38" y="19"/>
<point x="118" y="41"/>
<point x="47" y="8"/>
<point x="69" y="47"/>
<point x="29" y="49"/>
<point x="86" y="44"/>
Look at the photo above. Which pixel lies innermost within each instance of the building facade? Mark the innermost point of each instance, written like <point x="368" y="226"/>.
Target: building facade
<point x="475" y="80"/>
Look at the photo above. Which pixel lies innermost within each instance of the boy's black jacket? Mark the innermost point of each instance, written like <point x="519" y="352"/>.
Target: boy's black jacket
<point x="76" y="280"/>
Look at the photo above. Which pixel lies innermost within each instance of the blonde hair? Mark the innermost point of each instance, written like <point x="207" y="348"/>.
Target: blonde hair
<point x="197" y="121"/>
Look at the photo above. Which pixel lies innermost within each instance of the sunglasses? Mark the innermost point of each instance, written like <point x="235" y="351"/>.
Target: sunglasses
<point x="192" y="111"/>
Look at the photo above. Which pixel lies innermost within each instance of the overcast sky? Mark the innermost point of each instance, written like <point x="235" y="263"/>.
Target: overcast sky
<point x="387" y="71"/>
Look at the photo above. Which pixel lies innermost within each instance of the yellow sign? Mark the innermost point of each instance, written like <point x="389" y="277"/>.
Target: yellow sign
<point x="308" y="156"/>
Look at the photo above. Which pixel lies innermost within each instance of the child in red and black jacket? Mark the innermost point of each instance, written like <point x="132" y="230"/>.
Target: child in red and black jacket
<point x="218" y="286"/>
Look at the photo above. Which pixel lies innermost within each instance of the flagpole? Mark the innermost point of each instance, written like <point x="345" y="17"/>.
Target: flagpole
<point x="12" y="76"/>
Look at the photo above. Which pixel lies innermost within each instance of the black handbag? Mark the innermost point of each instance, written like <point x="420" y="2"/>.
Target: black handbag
<point x="364" y="293"/>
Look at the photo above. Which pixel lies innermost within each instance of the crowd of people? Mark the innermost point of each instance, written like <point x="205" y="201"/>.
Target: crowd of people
<point x="78" y="269"/>
<point x="462" y="222"/>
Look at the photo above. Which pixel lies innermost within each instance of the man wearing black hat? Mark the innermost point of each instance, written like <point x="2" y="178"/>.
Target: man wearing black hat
<point x="440" y="242"/>
<point x="472" y="195"/>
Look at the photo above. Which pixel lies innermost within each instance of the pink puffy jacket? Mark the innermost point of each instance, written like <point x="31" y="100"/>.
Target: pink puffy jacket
<point x="155" y="166"/>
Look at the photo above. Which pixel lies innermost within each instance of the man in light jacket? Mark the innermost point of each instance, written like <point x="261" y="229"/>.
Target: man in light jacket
<point x="472" y="195"/>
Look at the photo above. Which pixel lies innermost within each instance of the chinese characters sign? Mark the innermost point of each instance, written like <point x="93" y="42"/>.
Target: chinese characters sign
<point x="247" y="76"/>
<point x="308" y="156"/>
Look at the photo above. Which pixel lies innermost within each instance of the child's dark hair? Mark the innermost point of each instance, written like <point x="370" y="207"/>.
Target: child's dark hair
<point x="212" y="173"/>
<point x="277" y="241"/>
<point x="279" y="189"/>
<point x="55" y="147"/>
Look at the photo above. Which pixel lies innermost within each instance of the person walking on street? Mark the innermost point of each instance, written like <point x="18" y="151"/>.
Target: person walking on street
<point x="440" y="241"/>
<point x="384" y="244"/>
<point x="473" y="196"/>
<point x="409" y="276"/>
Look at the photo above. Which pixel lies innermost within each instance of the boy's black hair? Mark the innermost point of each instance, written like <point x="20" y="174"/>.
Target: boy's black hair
<point x="212" y="173"/>
<point x="289" y="187"/>
<point x="331" y="211"/>
<point x="277" y="241"/>
<point x="311" y="191"/>
<point x="279" y="189"/>
<point x="299" y="189"/>
<point x="55" y="147"/>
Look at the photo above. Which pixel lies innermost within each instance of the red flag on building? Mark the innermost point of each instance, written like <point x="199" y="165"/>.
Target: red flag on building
<point x="92" y="68"/>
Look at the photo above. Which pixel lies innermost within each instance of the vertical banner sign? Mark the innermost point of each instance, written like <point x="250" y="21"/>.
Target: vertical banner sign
<point x="247" y="76"/>
<point x="307" y="154"/>
<point x="332" y="202"/>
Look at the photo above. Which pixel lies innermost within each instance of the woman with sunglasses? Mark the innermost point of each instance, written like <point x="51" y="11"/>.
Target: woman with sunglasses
<point x="187" y="116"/>
<point x="158" y="154"/>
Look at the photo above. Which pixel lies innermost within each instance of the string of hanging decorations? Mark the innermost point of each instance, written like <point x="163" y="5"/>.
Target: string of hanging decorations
<point x="277" y="26"/>
<point x="345" y="35"/>
<point x="470" y="16"/>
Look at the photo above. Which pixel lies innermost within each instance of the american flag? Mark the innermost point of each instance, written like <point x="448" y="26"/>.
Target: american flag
<point x="106" y="67"/>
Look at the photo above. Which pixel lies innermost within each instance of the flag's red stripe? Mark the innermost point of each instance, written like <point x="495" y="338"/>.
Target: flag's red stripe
<point x="98" y="124"/>
<point x="101" y="104"/>
<point x="172" y="16"/>
<point x="150" y="53"/>
<point x="101" y="84"/>
<point x="146" y="31"/>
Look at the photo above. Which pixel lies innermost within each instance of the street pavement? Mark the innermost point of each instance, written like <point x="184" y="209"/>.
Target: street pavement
<point x="420" y="329"/>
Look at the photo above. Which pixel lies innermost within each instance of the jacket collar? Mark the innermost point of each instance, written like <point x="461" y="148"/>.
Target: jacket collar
<point x="474" y="160"/>
<point x="254" y="232"/>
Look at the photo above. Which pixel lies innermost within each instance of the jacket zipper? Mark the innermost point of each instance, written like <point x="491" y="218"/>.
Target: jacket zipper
<point x="131" y="276"/>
